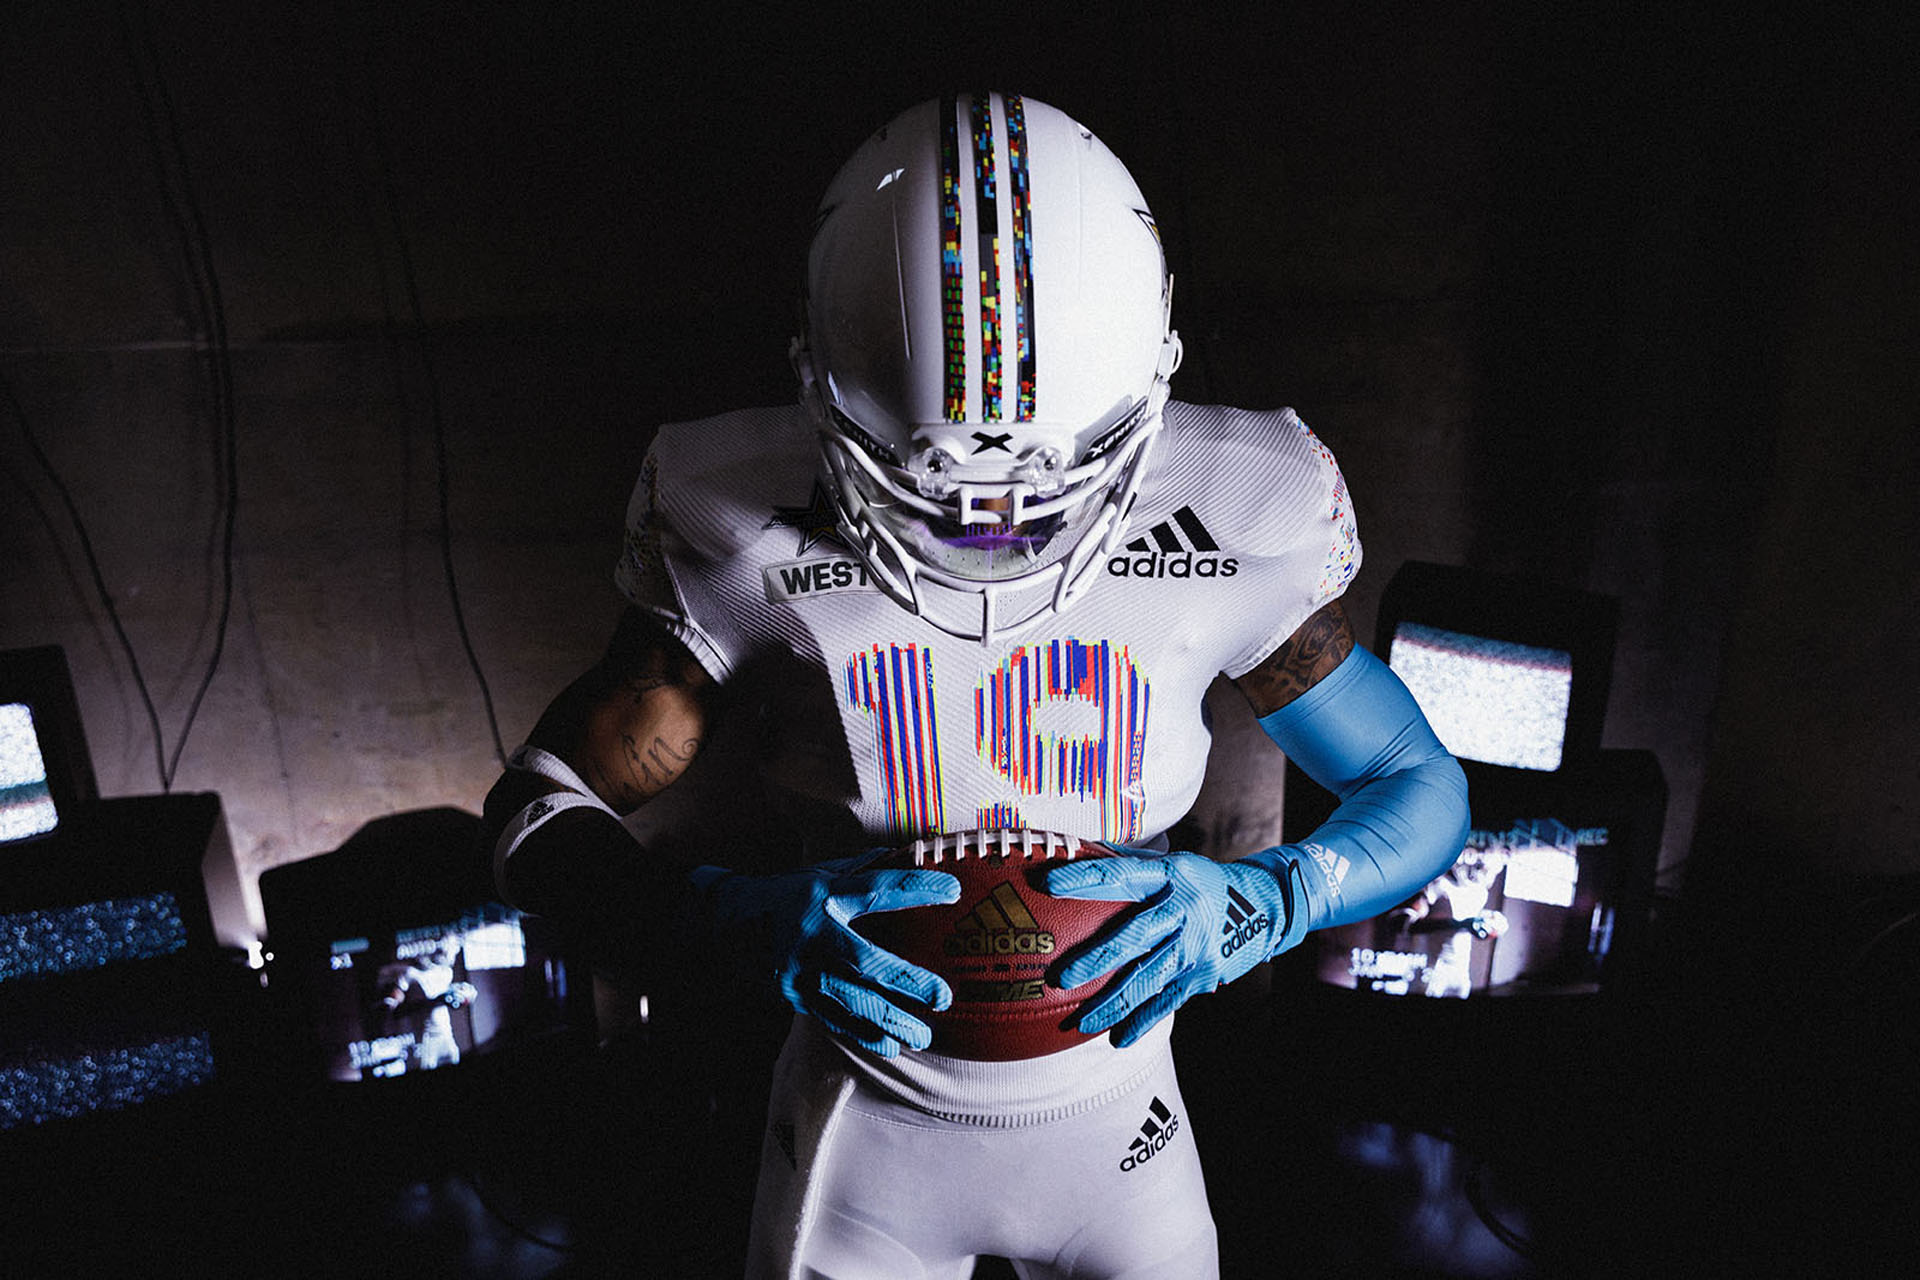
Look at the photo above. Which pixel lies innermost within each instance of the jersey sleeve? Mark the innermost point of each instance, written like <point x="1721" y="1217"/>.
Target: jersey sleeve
<point x="1305" y="529"/>
<point x="652" y="544"/>
<point x="704" y="513"/>
<point x="1335" y="524"/>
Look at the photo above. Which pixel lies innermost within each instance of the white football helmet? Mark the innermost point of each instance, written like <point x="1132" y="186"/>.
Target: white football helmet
<point x="986" y="356"/>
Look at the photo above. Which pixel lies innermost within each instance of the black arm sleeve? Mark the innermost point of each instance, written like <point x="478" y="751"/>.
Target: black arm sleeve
<point x="624" y="906"/>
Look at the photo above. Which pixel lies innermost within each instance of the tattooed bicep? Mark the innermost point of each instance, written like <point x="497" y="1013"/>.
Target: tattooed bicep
<point x="1308" y="656"/>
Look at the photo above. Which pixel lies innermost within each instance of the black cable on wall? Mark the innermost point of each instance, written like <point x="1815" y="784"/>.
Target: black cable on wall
<point x="435" y="411"/>
<point x="174" y="177"/>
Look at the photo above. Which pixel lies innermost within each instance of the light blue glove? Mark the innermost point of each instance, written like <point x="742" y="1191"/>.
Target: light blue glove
<point x="1401" y="822"/>
<point x="1201" y="923"/>
<point x="798" y="923"/>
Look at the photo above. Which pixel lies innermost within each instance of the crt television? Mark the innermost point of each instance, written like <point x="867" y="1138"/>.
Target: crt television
<point x="46" y="773"/>
<point x="114" y="993"/>
<point x="1552" y="891"/>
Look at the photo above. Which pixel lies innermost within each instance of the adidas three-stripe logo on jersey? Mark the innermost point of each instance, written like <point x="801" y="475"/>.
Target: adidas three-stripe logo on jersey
<point x="1177" y="547"/>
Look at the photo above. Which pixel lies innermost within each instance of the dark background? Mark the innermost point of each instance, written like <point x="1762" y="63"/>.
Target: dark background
<point x="1621" y="300"/>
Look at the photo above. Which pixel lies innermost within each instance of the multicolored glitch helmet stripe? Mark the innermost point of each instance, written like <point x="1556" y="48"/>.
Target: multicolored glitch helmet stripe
<point x="953" y="290"/>
<point x="998" y="295"/>
<point x="986" y="205"/>
<point x="1022" y="253"/>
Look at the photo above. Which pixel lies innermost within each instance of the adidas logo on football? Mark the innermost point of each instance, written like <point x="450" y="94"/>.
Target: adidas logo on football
<point x="1162" y="553"/>
<point x="1245" y="922"/>
<point x="1155" y="1133"/>
<point x="999" y="925"/>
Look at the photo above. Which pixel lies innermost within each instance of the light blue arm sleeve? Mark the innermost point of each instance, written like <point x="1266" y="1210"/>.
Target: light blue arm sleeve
<point x="1402" y="819"/>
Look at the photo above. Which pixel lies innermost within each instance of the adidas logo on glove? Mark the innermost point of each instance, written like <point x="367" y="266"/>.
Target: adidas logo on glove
<point x="1245" y="922"/>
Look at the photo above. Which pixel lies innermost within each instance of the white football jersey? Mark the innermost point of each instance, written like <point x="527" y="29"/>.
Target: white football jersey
<point x="866" y="725"/>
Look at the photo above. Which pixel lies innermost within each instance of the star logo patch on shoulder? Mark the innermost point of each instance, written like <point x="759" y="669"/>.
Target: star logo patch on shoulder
<point x="818" y="521"/>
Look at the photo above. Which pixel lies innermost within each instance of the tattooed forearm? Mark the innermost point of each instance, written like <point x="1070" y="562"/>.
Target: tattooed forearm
<point x="632" y="724"/>
<point x="646" y="757"/>
<point x="1307" y="657"/>
<point x="652" y="767"/>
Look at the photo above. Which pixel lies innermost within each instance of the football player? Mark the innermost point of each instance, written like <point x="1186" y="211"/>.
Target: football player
<point x="980" y="576"/>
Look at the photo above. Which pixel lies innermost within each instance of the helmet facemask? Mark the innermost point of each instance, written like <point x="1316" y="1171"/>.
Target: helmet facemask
<point x="1036" y="523"/>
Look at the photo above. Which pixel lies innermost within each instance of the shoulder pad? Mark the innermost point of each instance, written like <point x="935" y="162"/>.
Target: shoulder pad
<point x="1269" y="483"/>
<point x="712" y="484"/>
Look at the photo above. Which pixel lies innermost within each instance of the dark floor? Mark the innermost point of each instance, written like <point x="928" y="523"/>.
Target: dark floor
<point x="1643" y="1137"/>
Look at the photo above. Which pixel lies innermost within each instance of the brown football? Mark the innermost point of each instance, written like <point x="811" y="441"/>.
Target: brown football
<point x="999" y="944"/>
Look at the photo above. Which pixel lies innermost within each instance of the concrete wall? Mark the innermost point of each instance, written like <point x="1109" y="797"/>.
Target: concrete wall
<point x="1526" y="276"/>
<point x="1815" y="761"/>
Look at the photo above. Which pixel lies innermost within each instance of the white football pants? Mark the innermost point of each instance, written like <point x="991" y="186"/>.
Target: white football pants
<point x="855" y="1185"/>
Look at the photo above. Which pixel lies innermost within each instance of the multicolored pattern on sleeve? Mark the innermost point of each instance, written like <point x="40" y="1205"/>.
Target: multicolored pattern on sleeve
<point x="640" y="573"/>
<point x="1343" y="555"/>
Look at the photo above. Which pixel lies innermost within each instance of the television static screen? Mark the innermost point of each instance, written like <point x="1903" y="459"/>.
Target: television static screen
<point x="49" y="1086"/>
<point x="1489" y="700"/>
<point x="48" y="942"/>
<point x="26" y="804"/>
<point x="69" y="1053"/>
